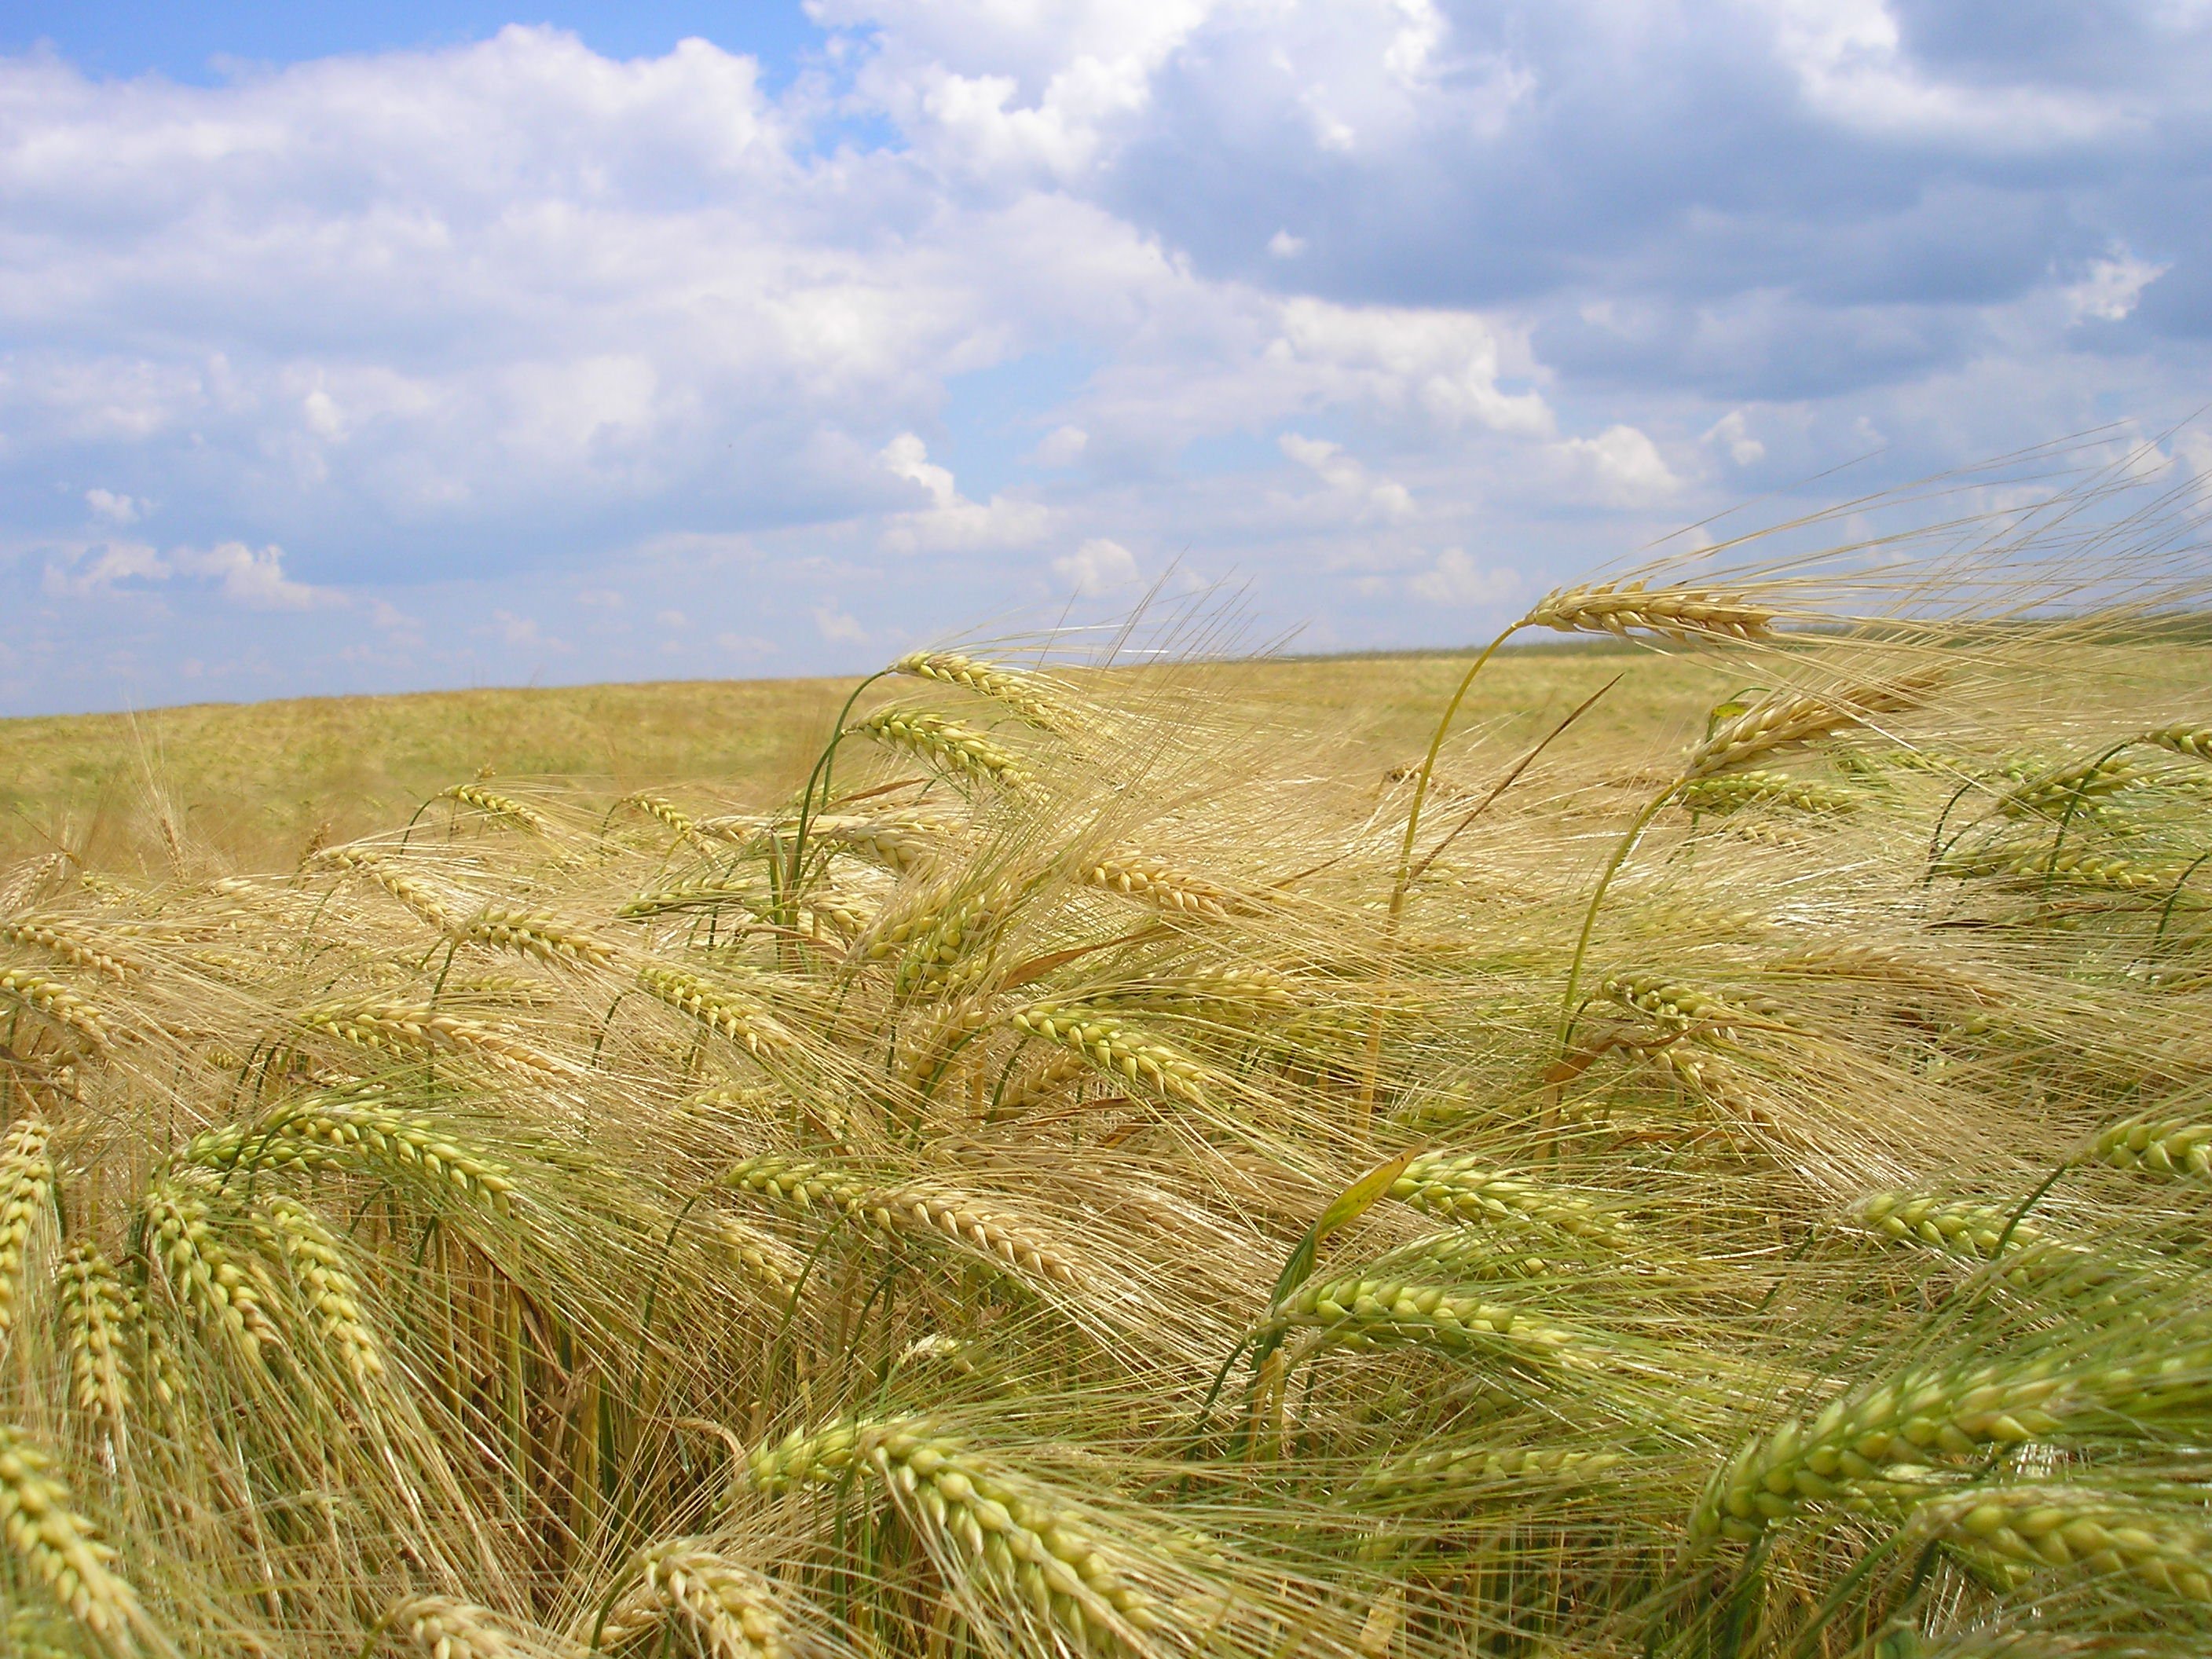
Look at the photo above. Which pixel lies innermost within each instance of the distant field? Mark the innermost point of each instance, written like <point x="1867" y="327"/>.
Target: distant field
<point x="258" y="780"/>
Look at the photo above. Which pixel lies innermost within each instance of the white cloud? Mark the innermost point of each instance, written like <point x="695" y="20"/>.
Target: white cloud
<point x="1371" y="497"/>
<point x="1732" y="432"/>
<point x="2111" y="287"/>
<point x="1445" y="364"/>
<point x="952" y="523"/>
<point x="254" y="578"/>
<point x="838" y="626"/>
<point x="1622" y="466"/>
<point x="115" y="508"/>
<point x="1284" y="245"/>
<point x="1098" y="566"/>
<point x="1456" y="580"/>
<point x="1062" y="446"/>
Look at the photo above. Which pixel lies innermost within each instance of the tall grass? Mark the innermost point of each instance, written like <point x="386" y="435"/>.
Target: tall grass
<point x="1093" y="1174"/>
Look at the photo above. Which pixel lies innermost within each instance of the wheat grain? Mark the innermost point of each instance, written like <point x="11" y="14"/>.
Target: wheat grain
<point x="1025" y="694"/>
<point x="1684" y="1008"/>
<point x="1112" y="1046"/>
<point x="503" y="807"/>
<point x="536" y="934"/>
<point x="1463" y="1189"/>
<point x="412" y="1030"/>
<point x="2044" y="1526"/>
<point x="95" y="948"/>
<point x="1013" y="1533"/>
<point x="26" y="1198"/>
<point x="58" y="1002"/>
<point x="62" y="1550"/>
<point x="96" y="1311"/>
<point x="945" y="743"/>
<point x="908" y="1210"/>
<point x="1955" y="1227"/>
<point x="1684" y="615"/>
<point x="721" y="1007"/>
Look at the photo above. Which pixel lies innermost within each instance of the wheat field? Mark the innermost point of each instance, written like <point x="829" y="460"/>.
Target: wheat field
<point x="1161" y="1158"/>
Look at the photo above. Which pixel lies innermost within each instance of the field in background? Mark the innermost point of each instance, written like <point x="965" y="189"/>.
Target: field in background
<point x="260" y="781"/>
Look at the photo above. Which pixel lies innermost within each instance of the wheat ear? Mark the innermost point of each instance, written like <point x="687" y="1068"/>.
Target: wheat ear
<point x="1681" y="614"/>
<point x="201" y="1272"/>
<point x="2041" y="1527"/>
<point x="1141" y="876"/>
<point x="1111" y="1045"/>
<point x="1014" y="1535"/>
<point x="729" y="1610"/>
<point x="442" y="1627"/>
<point x="61" y="1549"/>
<point x="26" y="1195"/>
<point x="720" y="1007"/>
<point x="395" y="881"/>
<point x="1732" y="792"/>
<point x="412" y="1030"/>
<point x="1785" y="721"/>
<point x="58" y="1002"/>
<point x="945" y="743"/>
<point x="327" y="1288"/>
<point x="96" y="1311"/>
<point x="93" y="949"/>
<point x="915" y="1210"/>
<point x="1463" y="1189"/>
<point x="503" y="807"/>
<point x="348" y="1136"/>
<point x="1025" y="694"/>
<point x="2175" y="1148"/>
<point x="2193" y="740"/>
<point x="536" y="934"/>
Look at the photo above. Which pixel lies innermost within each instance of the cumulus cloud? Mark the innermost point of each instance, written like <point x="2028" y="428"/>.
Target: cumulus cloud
<point x="952" y="523"/>
<point x="1098" y="566"/>
<point x="511" y="325"/>
<point x="1622" y="466"/>
<point x="1456" y="580"/>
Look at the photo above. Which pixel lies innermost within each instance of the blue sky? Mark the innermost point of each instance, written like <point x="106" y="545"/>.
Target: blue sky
<point x="354" y="347"/>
